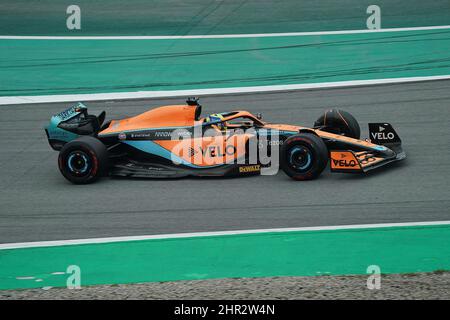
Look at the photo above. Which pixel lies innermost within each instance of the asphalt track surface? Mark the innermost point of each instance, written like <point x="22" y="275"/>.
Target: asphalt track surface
<point x="37" y="203"/>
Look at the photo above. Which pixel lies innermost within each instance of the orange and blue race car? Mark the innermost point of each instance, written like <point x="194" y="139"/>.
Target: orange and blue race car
<point x="176" y="141"/>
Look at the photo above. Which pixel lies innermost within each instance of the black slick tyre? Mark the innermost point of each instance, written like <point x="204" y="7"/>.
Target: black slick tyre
<point x="83" y="160"/>
<point x="303" y="156"/>
<point x="339" y="122"/>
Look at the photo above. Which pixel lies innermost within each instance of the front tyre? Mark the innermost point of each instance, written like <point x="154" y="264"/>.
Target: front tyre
<point x="339" y="122"/>
<point x="83" y="160"/>
<point x="304" y="156"/>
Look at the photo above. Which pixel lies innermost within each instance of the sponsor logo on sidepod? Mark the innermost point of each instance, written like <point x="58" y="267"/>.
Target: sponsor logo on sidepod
<point x="250" y="168"/>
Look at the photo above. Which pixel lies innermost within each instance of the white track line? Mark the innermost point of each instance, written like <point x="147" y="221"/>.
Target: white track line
<point x="223" y="36"/>
<point x="37" y="244"/>
<point x="200" y="92"/>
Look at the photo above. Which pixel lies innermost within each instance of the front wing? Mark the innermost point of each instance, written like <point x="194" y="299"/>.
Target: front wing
<point x="349" y="161"/>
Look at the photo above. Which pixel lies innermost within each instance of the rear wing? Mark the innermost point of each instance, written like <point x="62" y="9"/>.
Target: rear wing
<point x="71" y="123"/>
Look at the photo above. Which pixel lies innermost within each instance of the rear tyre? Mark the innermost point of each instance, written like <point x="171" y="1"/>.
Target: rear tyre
<point x="83" y="160"/>
<point x="339" y="122"/>
<point x="304" y="156"/>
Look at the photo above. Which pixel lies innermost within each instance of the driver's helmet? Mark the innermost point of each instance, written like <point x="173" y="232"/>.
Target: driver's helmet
<point x="216" y="120"/>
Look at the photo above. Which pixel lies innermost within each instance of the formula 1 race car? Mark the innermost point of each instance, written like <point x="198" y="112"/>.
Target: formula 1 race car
<point x="175" y="141"/>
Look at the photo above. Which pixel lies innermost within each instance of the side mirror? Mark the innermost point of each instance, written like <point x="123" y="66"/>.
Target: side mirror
<point x="193" y="101"/>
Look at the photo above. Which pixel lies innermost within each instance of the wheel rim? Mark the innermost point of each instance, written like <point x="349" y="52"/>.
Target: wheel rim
<point x="300" y="158"/>
<point x="79" y="163"/>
